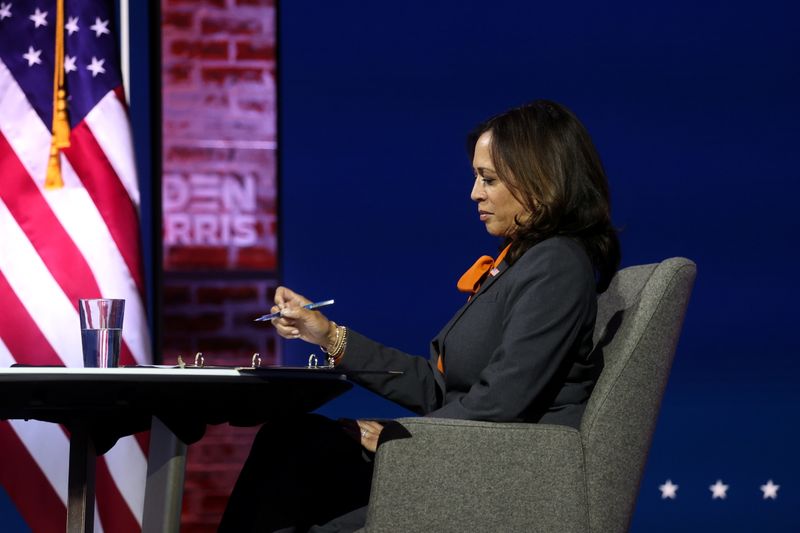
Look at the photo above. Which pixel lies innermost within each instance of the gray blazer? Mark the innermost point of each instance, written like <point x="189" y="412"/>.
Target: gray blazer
<point x="517" y="351"/>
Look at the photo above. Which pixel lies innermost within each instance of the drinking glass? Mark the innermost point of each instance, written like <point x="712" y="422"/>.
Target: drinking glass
<point x="101" y="331"/>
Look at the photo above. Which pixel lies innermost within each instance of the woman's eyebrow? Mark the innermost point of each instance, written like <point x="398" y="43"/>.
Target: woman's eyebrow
<point x="484" y="170"/>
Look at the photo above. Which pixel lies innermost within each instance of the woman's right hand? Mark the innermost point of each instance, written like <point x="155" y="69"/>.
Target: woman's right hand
<point x="298" y="323"/>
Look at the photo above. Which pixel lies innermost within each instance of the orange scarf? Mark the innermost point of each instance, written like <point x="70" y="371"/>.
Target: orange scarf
<point x="471" y="280"/>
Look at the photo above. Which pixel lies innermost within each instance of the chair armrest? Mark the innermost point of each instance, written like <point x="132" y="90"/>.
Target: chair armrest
<point x="461" y="475"/>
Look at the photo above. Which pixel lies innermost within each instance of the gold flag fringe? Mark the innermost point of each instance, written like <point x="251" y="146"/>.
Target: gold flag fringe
<point x="60" y="140"/>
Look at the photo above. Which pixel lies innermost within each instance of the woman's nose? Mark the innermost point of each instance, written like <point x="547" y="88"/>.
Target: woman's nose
<point x="478" y="193"/>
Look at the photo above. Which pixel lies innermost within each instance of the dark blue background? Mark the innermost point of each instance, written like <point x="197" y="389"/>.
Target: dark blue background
<point x="694" y="109"/>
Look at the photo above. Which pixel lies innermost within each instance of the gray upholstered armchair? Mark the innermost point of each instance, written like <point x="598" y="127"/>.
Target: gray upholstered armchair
<point x="456" y="475"/>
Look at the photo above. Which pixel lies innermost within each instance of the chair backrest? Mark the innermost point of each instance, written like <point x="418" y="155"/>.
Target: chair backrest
<point x="639" y="320"/>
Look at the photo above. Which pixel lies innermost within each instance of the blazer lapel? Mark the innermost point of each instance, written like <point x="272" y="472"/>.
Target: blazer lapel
<point x="437" y="345"/>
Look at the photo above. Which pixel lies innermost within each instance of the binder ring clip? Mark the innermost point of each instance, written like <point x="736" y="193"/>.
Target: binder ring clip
<point x="256" y="362"/>
<point x="199" y="362"/>
<point x="312" y="361"/>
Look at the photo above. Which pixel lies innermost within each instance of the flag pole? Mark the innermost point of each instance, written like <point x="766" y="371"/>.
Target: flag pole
<point x="125" y="46"/>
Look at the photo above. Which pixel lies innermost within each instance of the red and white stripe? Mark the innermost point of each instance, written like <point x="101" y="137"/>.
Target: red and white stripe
<point x="57" y="246"/>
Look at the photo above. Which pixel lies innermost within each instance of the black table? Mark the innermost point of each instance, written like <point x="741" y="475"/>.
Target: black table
<point x="98" y="406"/>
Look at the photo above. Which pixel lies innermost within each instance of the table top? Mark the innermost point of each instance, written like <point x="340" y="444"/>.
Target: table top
<point x="156" y="373"/>
<point x="115" y="402"/>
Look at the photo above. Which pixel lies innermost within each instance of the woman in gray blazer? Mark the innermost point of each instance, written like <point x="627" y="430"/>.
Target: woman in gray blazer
<point x="518" y="350"/>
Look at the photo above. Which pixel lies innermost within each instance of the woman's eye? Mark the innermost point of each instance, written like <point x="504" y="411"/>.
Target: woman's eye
<point x="485" y="180"/>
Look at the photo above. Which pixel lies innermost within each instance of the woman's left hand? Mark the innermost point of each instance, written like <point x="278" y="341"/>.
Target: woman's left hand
<point x="370" y="431"/>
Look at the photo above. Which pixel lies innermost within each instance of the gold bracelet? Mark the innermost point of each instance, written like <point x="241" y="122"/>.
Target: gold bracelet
<point x="339" y="354"/>
<point x="336" y="351"/>
<point x="336" y="340"/>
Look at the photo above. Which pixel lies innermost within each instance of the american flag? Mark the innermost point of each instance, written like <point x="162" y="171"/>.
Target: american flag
<point x="73" y="240"/>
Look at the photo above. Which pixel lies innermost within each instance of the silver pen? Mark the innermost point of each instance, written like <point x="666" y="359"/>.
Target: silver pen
<point x="264" y="318"/>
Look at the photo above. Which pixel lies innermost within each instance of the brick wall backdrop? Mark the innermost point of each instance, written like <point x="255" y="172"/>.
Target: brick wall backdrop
<point x="215" y="317"/>
<point x="219" y="208"/>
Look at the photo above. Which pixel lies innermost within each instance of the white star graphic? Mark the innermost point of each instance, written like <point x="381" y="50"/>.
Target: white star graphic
<point x="770" y="490"/>
<point x="39" y="18"/>
<point x="99" y="27"/>
<point x="33" y="56"/>
<point x="5" y="11"/>
<point x="69" y="64"/>
<point x="96" y="67"/>
<point x="719" y="490"/>
<point x="72" y="25"/>
<point x="668" y="490"/>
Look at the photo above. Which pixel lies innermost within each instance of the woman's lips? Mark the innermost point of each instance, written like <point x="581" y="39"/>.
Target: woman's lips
<point x="484" y="215"/>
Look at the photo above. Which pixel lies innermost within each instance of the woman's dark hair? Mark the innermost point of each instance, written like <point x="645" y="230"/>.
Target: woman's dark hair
<point x="545" y="156"/>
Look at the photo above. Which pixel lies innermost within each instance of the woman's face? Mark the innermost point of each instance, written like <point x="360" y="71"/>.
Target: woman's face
<point x="497" y="207"/>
